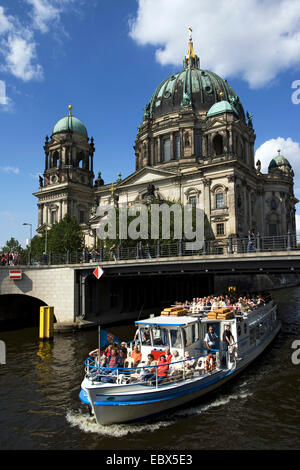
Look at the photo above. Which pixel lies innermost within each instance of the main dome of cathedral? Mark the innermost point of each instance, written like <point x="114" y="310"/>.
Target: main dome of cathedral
<point x="192" y="88"/>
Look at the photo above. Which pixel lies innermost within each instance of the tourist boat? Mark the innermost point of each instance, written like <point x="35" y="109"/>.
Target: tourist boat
<point x="123" y="395"/>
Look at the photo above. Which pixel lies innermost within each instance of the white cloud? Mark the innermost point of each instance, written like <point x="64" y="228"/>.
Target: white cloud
<point x="253" y="39"/>
<point x="5" y="22"/>
<point x="20" y="58"/>
<point x="44" y="13"/>
<point x="10" y="169"/>
<point x="18" y="44"/>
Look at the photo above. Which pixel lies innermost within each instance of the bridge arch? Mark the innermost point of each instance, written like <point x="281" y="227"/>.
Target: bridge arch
<point x="19" y="311"/>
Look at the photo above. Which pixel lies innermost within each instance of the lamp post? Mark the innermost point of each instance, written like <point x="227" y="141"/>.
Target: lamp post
<point x="29" y="256"/>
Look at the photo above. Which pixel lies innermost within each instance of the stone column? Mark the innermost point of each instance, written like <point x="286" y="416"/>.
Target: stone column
<point x="40" y="214"/>
<point x="158" y="149"/>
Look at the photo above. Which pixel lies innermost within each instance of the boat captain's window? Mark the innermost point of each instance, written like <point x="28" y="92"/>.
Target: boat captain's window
<point x="175" y="338"/>
<point x="160" y="337"/>
<point x="145" y="336"/>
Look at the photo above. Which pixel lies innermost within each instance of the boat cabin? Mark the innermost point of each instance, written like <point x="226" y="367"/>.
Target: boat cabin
<point x="185" y="333"/>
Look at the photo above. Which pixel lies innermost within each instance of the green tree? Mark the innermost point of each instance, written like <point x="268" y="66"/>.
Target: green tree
<point x="65" y="235"/>
<point x="12" y="245"/>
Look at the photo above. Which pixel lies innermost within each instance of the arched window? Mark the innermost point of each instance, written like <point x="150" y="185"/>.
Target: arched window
<point x="55" y="159"/>
<point x="218" y="145"/>
<point x="219" y="195"/>
<point x="80" y="160"/>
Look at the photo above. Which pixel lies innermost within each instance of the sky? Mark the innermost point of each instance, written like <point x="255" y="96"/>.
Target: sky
<point x="107" y="58"/>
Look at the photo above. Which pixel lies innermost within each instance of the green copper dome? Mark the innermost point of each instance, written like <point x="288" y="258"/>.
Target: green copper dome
<point x="220" y="108"/>
<point x="70" y="123"/>
<point x="192" y="88"/>
<point x="280" y="163"/>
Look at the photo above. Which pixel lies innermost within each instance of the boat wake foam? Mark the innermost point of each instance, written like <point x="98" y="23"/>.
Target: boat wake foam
<point x="88" y="424"/>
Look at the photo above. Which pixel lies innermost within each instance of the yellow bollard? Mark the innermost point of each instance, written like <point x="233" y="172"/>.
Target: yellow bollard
<point x="46" y="322"/>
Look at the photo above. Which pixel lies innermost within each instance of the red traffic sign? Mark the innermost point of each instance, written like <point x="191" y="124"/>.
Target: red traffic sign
<point x="98" y="272"/>
<point x="15" y="274"/>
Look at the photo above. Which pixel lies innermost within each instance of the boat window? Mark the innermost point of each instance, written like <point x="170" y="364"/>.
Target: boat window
<point x="175" y="339"/>
<point x="239" y="330"/>
<point x="160" y="336"/>
<point x="190" y="334"/>
<point x="145" y="336"/>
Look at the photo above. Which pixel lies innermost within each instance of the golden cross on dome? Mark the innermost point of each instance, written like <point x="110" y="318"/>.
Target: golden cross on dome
<point x="191" y="48"/>
<point x="70" y="107"/>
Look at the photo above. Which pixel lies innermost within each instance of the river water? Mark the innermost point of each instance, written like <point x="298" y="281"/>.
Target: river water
<point x="40" y="408"/>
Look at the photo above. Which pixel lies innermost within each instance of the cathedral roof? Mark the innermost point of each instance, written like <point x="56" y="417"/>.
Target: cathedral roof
<point x="191" y="88"/>
<point x="280" y="163"/>
<point x="70" y="123"/>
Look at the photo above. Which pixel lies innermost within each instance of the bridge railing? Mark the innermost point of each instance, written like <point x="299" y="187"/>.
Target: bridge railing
<point x="216" y="247"/>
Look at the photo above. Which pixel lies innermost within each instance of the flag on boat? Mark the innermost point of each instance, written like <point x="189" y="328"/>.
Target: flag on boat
<point x="107" y="338"/>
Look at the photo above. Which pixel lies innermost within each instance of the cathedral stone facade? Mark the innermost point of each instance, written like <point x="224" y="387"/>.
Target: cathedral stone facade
<point x="195" y="145"/>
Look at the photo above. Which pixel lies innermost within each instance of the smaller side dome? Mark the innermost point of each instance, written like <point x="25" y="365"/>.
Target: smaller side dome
<point x="219" y="108"/>
<point x="70" y="123"/>
<point x="280" y="164"/>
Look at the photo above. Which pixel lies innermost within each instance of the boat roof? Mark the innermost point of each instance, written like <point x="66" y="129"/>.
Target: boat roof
<point x="168" y="320"/>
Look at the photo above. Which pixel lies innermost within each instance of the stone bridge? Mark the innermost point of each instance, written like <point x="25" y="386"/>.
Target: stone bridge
<point x="125" y="286"/>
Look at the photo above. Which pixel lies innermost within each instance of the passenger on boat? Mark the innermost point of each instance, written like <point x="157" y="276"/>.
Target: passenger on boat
<point x="136" y="355"/>
<point x="147" y="373"/>
<point x="210" y="339"/>
<point x="94" y="353"/>
<point x="162" y="371"/>
<point x="146" y="337"/>
<point x="107" y="350"/>
<point x="200" y="366"/>
<point x="168" y="355"/>
<point x="189" y="364"/>
<point x="123" y="348"/>
<point x="178" y="366"/>
<point x="228" y="338"/>
<point x="113" y="361"/>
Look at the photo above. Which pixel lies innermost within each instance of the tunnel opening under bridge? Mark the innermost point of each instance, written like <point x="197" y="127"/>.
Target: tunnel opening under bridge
<point x="114" y="297"/>
<point x="19" y="311"/>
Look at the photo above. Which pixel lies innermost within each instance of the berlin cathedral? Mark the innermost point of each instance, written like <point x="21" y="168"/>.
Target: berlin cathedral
<point x="194" y="145"/>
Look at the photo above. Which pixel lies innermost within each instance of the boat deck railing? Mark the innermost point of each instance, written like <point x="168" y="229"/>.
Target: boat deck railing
<point x="149" y="375"/>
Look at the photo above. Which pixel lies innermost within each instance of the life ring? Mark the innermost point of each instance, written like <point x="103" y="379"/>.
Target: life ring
<point x="210" y="363"/>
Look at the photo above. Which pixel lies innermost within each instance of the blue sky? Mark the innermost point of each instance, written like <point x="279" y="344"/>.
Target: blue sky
<point x="106" y="59"/>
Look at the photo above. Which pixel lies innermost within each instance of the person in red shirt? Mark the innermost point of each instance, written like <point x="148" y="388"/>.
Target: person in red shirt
<point x="162" y="371"/>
